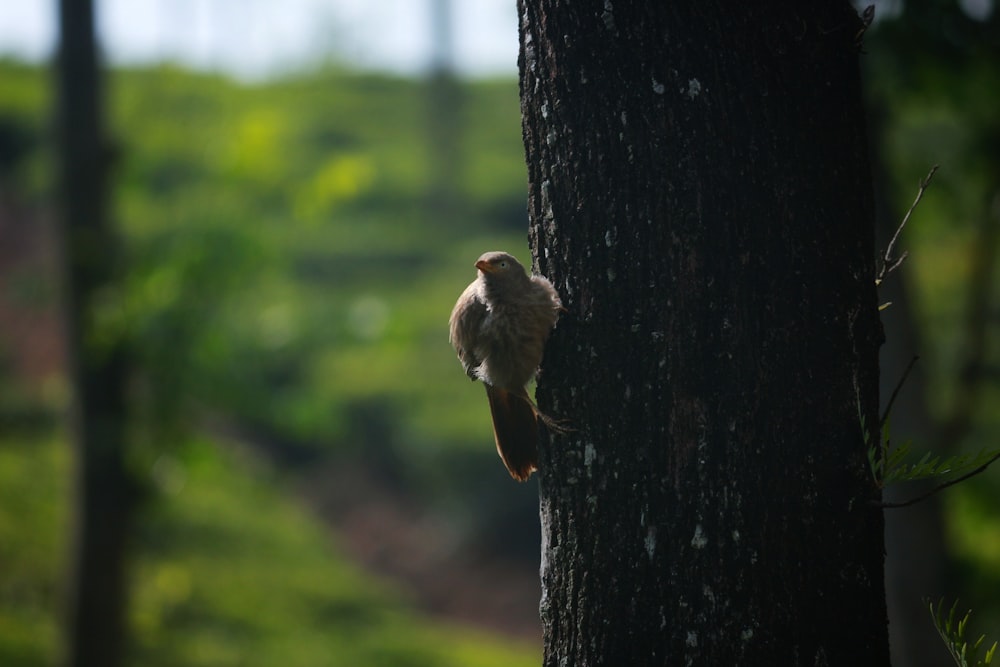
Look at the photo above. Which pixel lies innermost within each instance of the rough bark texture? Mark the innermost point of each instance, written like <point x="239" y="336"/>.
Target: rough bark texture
<point x="700" y="195"/>
<point x="96" y="583"/>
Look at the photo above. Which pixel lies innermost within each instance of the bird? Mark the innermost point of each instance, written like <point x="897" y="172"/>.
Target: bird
<point x="499" y="327"/>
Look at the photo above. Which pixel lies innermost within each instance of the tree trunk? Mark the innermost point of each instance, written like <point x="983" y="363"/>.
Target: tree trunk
<point x="102" y="504"/>
<point x="700" y="195"/>
<point x="444" y="122"/>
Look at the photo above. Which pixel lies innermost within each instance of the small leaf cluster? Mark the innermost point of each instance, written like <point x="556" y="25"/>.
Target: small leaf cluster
<point x="953" y="634"/>
<point x="888" y="464"/>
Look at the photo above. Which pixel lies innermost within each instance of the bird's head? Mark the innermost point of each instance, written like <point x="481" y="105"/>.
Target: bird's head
<point x="497" y="264"/>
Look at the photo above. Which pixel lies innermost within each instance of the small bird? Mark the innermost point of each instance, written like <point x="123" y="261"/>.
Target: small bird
<point x="498" y="328"/>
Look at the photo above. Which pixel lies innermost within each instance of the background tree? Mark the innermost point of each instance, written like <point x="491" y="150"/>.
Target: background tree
<point x="931" y="74"/>
<point x="97" y="358"/>
<point x="700" y="195"/>
<point x="444" y="119"/>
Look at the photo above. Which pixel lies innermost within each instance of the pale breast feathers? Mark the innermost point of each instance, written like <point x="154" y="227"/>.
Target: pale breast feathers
<point x="464" y="326"/>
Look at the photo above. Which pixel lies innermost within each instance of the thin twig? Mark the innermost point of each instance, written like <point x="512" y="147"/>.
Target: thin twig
<point x="888" y="263"/>
<point x="895" y="392"/>
<point x="942" y="487"/>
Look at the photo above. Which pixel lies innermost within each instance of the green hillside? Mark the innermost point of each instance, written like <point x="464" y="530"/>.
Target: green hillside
<point x="283" y="261"/>
<point x="284" y="272"/>
<point x="228" y="571"/>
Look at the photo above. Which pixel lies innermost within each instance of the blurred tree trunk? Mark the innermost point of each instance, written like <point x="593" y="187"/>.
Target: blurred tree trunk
<point x="102" y="503"/>
<point x="700" y="194"/>
<point x="445" y="126"/>
<point x="938" y="56"/>
<point x="916" y="561"/>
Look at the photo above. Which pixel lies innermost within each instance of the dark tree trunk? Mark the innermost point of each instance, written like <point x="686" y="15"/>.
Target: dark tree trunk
<point x="916" y="556"/>
<point x="96" y="583"/>
<point x="700" y="195"/>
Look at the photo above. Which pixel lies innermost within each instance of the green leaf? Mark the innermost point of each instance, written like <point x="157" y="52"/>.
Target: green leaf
<point x="895" y="469"/>
<point x="953" y="635"/>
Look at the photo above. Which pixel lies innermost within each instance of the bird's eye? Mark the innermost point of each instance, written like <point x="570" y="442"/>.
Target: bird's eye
<point x="503" y="264"/>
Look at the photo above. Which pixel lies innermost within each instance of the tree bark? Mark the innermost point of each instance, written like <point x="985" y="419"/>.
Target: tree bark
<point x="96" y="352"/>
<point x="700" y="195"/>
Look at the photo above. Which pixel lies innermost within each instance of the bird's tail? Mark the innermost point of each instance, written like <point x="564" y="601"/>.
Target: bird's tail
<point x="515" y="429"/>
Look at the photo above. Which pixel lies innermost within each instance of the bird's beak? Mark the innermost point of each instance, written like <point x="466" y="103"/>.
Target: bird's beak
<point x="484" y="266"/>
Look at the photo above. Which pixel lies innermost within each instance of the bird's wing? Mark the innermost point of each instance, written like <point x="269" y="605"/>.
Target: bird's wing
<point x="464" y="328"/>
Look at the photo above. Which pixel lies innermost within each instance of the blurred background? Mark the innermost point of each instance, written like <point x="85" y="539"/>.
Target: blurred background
<point x="299" y="191"/>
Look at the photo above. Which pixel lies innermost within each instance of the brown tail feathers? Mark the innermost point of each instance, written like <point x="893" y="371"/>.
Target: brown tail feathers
<point x="515" y="429"/>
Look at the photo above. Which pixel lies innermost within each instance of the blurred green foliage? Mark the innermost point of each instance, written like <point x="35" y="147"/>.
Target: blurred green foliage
<point x="227" y="571"/>
<point x="283" y="264"/>
<point x="932" y="75"/>
<point x="34" y="495"/>
<point x="285" y="273"/>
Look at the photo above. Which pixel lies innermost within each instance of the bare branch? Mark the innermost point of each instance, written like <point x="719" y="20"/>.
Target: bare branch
<point x="895" y="392"/>
<point x="890" y="264"/>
